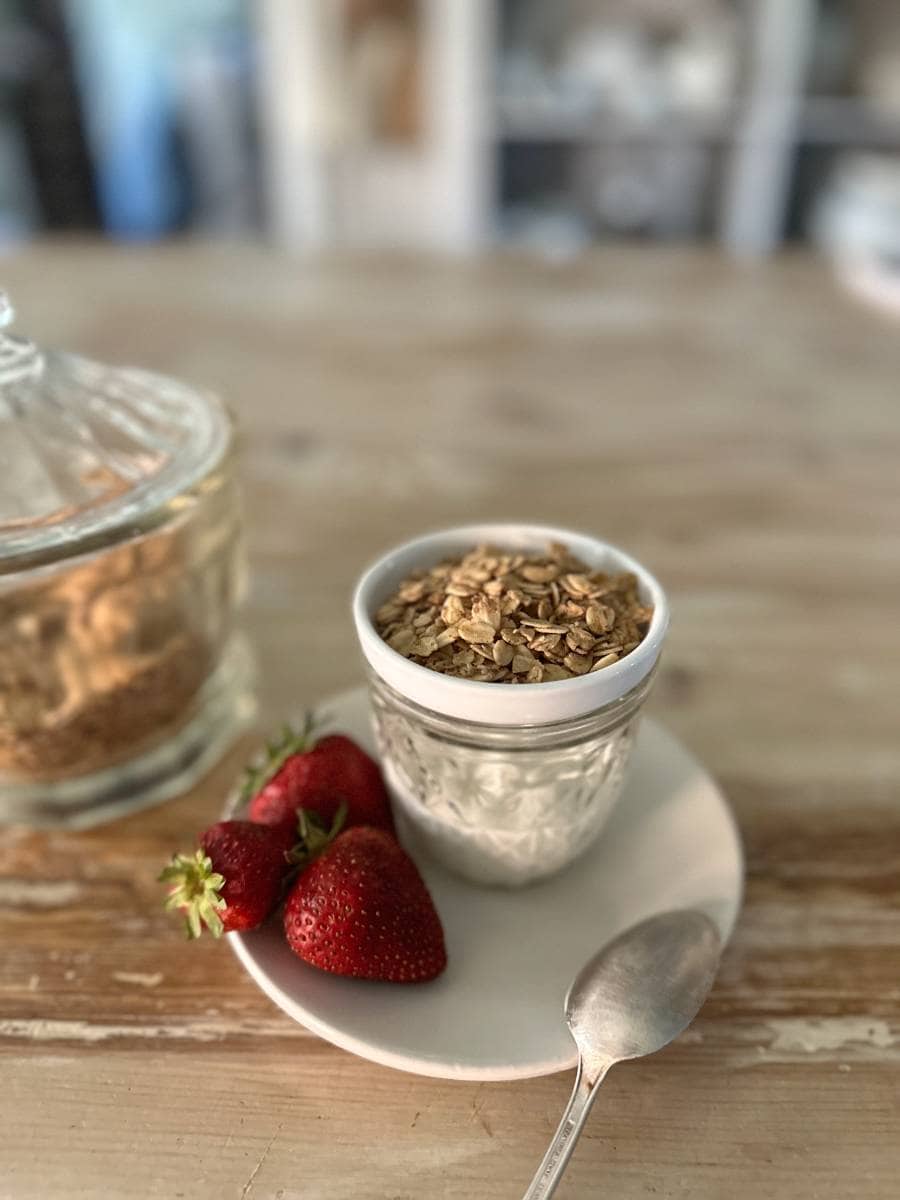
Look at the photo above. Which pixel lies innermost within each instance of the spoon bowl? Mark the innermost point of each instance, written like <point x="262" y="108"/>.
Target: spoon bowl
<point x="643" y="989"/>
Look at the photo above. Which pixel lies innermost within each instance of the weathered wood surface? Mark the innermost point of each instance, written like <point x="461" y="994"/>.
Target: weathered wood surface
<point x="739" y="430"/>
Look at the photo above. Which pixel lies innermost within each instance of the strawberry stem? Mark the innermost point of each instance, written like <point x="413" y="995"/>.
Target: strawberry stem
<point x="277" y="751"/>
<point x="196" y="892"/>
<point x="314" y="837"/>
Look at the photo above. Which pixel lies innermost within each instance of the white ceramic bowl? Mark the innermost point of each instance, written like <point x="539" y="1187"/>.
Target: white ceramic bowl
<point x="492" y="703"/>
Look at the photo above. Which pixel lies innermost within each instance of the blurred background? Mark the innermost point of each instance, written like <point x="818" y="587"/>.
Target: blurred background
<point x="459" y="124"/>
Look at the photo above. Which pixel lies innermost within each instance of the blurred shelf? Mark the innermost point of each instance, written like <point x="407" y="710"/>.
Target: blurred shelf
<point x="524" y="121"/>
<point x="839" y="120"/>
<point x="824" y="119"/>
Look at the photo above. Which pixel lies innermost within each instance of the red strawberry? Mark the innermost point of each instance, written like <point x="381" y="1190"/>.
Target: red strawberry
<point x="233" y="881"/>
<point x="302" y="773"/>
<point x="362" y="909"/>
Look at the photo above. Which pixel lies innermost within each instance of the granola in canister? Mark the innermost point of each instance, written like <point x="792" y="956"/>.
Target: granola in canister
<point x="503" y="616"/>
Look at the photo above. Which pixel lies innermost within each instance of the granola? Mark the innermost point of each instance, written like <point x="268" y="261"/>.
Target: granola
<point x="502" y="616"/>
<point x="101" y="659"/>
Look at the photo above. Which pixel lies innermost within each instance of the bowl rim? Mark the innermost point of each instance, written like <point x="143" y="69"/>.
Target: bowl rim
<point x="480" y="700"/>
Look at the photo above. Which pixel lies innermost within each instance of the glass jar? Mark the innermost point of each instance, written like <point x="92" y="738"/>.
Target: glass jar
<point x="504" y="784"/>
<point x="122" y="673"/>
<point x="502" y="805"/>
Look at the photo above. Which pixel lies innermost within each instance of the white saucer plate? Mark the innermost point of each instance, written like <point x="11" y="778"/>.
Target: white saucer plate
<point x="497" y="1011"/>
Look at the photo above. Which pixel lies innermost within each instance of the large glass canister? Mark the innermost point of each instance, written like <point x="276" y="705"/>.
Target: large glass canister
<point x="122" y="674"/>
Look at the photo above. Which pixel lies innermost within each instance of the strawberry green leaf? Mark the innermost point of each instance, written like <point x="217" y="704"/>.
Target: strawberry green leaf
<point x="277" y="751"/>
<point x="313" y="836"/>
<point x="195" y="891"/>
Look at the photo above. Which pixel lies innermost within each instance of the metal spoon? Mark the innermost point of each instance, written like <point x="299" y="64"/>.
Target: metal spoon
<point x="634" y="997"/>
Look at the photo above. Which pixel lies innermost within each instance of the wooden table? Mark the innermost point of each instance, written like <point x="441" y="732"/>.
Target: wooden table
<point x="736" y="428"/>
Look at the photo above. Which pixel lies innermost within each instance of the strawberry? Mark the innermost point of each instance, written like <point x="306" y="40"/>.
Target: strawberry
<point x="362" y="909"/>
<point x="300" y="772"/>
<point x="233" y="881"/>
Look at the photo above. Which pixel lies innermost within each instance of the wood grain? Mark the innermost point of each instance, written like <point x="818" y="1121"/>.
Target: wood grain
<point x="738" y="429"/>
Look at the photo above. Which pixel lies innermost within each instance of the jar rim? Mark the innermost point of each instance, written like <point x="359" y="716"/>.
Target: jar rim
<point x="491" y="703"/>
<point x="517" y="738"/>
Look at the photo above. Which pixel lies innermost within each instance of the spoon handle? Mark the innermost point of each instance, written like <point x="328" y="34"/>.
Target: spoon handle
<point x="560" y="1150"/>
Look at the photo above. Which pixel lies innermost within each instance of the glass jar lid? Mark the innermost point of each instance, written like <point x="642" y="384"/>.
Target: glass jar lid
<point x="90" y="454"/>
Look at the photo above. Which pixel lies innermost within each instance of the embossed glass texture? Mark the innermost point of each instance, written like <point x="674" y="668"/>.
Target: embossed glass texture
<point x="503" y="805"/>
